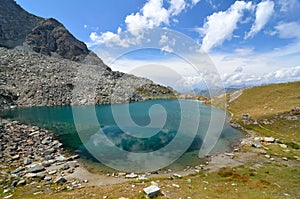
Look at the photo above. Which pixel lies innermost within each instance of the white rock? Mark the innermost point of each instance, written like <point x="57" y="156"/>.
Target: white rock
<point x="176" y="185"/>
<point x="6" y="190"/>
<point x="152" y="191"/>
<point x="143" y="177"/>
<point x="269" y="139"/>
<point x="283" y="146"/>
<point x="177" y="175"/>
<point x="268" y="156"/>
<point x="131" y="175"/>
<point x="229" y="154"/>
<point x="9" y="196"/>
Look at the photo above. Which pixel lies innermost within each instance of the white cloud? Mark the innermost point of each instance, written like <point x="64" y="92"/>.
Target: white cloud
<point x="244" y="51"/>
<point x="108" y="38"/>
<point x="163" y="39"/>
<point x="285" y="74"/>
<point x="220" y="25"/>
<point x="176" y="7"/>
<point x="288" y="30"/>
<point x="241" y="78"/>
<point x="288" y="5"/>
<point x="263" y="14"/>
<point x="194" y="2"/>
<point x="167" y="49"/>
<point x="153" y="14"/>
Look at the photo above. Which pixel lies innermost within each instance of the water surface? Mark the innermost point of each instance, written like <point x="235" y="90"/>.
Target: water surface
<point x="61" y="121"/>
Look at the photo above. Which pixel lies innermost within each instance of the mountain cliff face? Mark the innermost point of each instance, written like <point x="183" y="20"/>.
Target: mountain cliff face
<point x="46" y="36"/>
<point x="41" y="64"/>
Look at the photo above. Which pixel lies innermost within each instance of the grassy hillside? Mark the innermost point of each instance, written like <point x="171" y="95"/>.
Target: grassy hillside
<point x="270" y="110"/>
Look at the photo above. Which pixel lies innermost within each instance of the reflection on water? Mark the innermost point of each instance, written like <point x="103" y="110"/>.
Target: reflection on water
<point x="60" y="120"/>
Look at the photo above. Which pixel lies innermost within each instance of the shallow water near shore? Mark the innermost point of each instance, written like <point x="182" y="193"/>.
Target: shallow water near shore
<point x="61" y="121"/>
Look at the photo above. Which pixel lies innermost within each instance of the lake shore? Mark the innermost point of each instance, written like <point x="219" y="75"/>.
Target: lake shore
<point x="40" y="149"/>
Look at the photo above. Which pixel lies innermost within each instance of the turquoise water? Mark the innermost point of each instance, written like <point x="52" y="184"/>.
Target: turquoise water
<point x="112" y="120"/>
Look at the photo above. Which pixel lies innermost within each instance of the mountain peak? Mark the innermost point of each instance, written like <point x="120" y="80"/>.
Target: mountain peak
<point x="18" y="28"/>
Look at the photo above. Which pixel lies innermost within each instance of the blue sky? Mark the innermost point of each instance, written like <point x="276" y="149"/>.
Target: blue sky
<point x="250" y="42"/>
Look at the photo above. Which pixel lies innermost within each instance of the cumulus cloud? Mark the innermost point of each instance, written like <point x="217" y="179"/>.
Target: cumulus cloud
<point x="285" y="74"/>
<point x="153" y="14"/>
<point x="288" y="30"/>
<point x="220" y="25"/>
<point x="240" y="78"/>
<point x="108" y="38"/>
<point x="176" y="7"/>
<point x="263" y="14"/>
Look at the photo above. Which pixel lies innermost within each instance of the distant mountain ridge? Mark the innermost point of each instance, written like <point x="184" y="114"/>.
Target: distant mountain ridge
<point x="41" y="62"/>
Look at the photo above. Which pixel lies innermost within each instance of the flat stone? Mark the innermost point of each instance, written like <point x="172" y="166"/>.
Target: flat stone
<point x="9" y="196"/>
<point x="60" y="158"/>
<point x="256" y="145"/>
<point x="283" y="146"/>
<point x="152" y="191"/>
<point x="16" y="157"/>
<point x="14" y="183"/>
<point x="30" y="175"/>
<point x="269" y="139"/>
<point x="121" y="174"/>
<point x="177" y="175"/>
<point x="143" y="177"/>
<point x="41" y="176"/>
<point x="49" y="151"/>
<point x="176" y="185"/>
<point x="268" y="156"/>
<point x="229" y="154"/>
<point x="46" y="163"/>
<point x="18" y="170"/>
<point x="52" y="172"/>
<point x="60" y="180"/>
<point x="35" y="168"/>
<point x="46" y="140"/>
<point x="26" y="161"/>
<point x="74" y="157"/>
<point x="66" y="167"/>
<point x="48" y="178"/>
<point x="131" y="175"/>
<point x="21" y="183"/>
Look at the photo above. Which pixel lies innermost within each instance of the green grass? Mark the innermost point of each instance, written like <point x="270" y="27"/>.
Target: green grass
<point x="270" y="103"/>
<point x="265" y="101"/>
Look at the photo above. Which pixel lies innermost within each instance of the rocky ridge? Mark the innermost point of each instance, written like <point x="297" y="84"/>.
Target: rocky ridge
<point x="43" y="64"/>
<point x="32" y="79"/>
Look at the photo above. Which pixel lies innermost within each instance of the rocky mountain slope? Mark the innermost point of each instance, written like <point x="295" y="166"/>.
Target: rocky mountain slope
<point x="43" y="64"/>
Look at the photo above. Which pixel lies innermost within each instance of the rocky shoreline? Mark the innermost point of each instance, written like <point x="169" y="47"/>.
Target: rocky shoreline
<point x="31" y="155"/>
